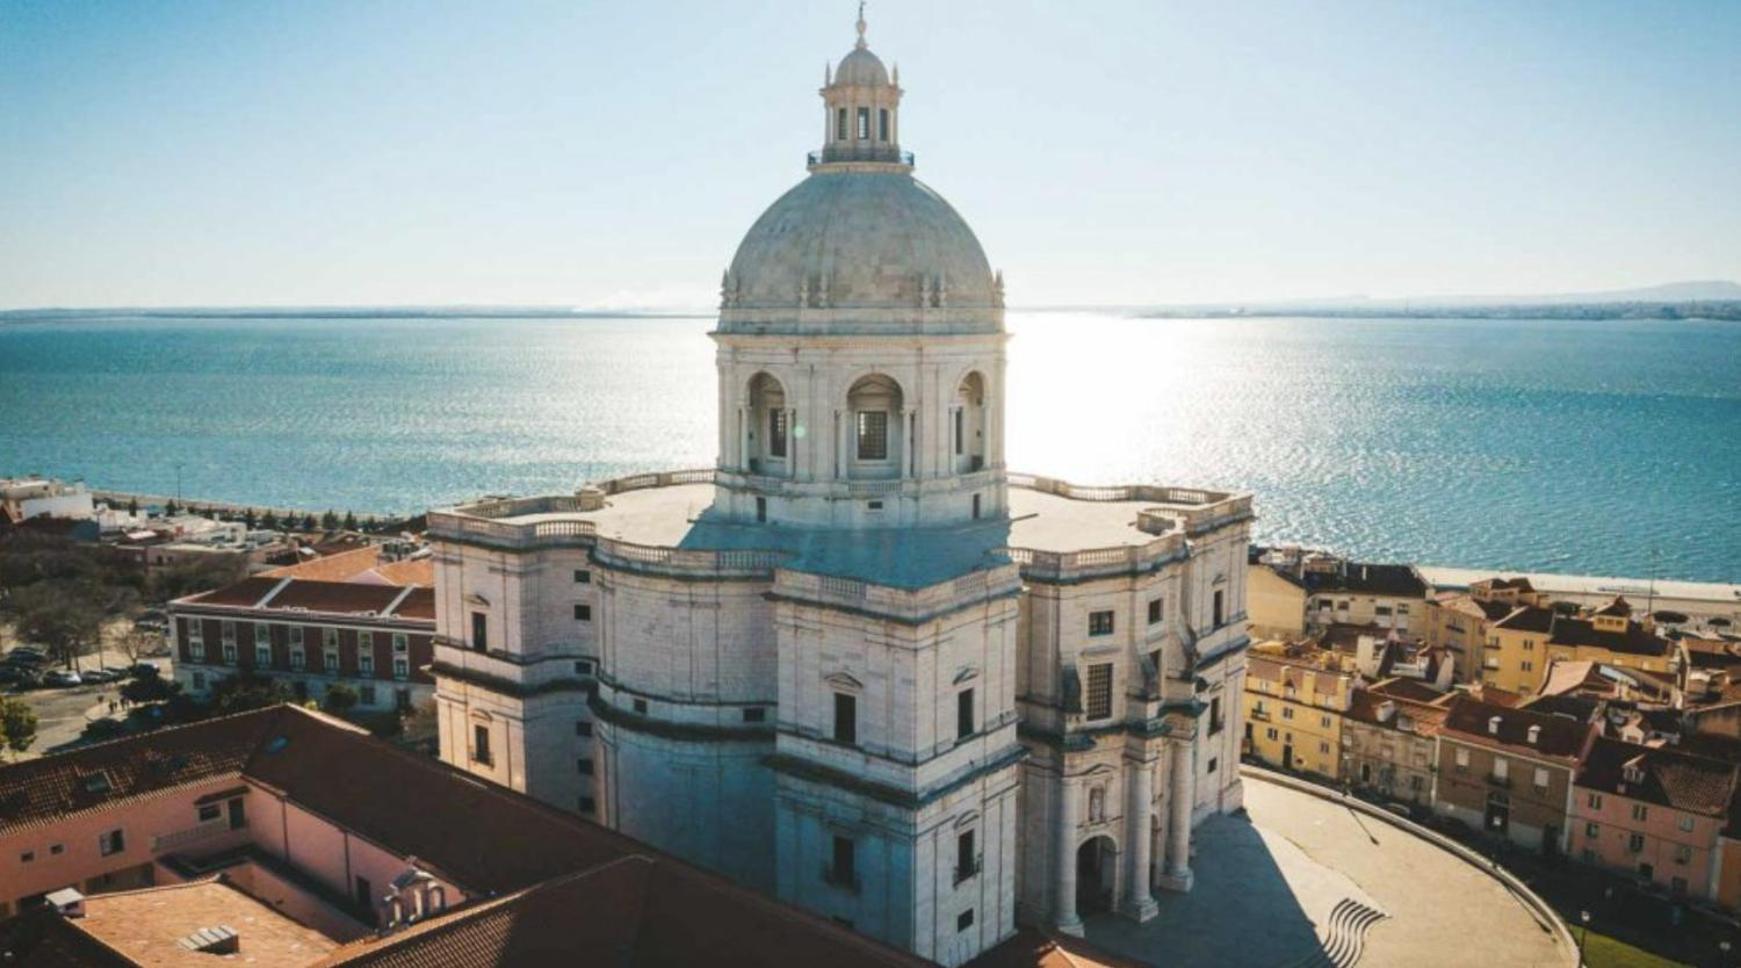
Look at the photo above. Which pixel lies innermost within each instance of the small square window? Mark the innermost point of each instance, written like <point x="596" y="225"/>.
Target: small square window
<point x="56" y="849"/>
<point x="1100" y="623"/>
<point x="1215" y="762"/>
<point x="582" y="576"/>
<point x="583" y="728"/>
<point x="641" y="706"/>
<point x="755" y="714"/>
<point x="209" y="812"/>
<point x="1155" y="611"/>
<point x="585" y="765"/>
<point x="27" y="857"/>
<point x="583" y="613"/>
<point x="964" y="920"/>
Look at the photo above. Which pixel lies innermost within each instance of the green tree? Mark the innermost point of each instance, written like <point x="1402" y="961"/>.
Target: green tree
<point x="240" y="693"/>
<point x="269" y="520"/>
<point x="308" y="522"/>
<point x="340" y="699"/>
<point x="17" y="724"/>
<point x="249" y="519"/>
<point x="63" y="617"/>
<point x="132" y="505"/>
<point x="329" y="521"/>
<point x="171" y="508"/>
<point x="350" y="521"/>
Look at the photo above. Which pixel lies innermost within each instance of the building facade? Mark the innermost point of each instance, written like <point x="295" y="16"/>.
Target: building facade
<point x="1390" y="742"/>
<point x="1509" y="772"/>
<point x="1653" y="812"/>
<point x="1295" y="697"/>
<point x="858" y="662"/>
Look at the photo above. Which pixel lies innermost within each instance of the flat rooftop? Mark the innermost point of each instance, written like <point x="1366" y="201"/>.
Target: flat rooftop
<point x="147" y="926"/>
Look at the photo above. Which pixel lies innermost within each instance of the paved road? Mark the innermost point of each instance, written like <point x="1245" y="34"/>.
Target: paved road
<point x="61" y="714"/>
<point x="1265" y="886"/>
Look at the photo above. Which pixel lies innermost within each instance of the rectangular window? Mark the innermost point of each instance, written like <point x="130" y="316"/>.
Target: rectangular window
<point x="776" y="433"/>
<point x="1541" y="778"/>
<point x="1501" y="768"/>
<point x="585" y="765"/>
<point x="1592" y="831"/>
<point x="113" y="842"/>
<point x="1683" y="854"/>
<point x="365" y="641"/>
<point x="401" y="643"/>
<point x="298" y="659"/>
<point x="401" y="667"/>
<point x="964" y="724"/>
<point x="1270" y="733"/>
<point x="481" y="745"/>
<point x="209" y="811"/>
<point x="366" y="695"/>
<point x="1382" y="610"/>
<point x="582" y="576"/>
<point x="480" y="632"/>
<point x="1215" y="722"/>
<point x="296" y="635"/>
<point x="1216" y="608"/>
<point x="761" y="510"/>
<point x="583" y="613"/>
<point x="964" y="920"/>
<point x="1155" y="611"/>
<point x="864" y="124"/>
<point x="229" y="653"/>
<point x="840" y="125"/>
<point x="755" y="714"/>
<point x="228" y="629"/>
<point x="583" y="728"/>
<point x="262" y="635"/>
<point x="329" y="636"/>
<point x="841" y="867"/>
<point x="1215" y="761"/>
<point x="1594" y="801"/>
<point x="1323" y="747"/>
<point x="329" y="660"/>
<point x="1323" y="722"/>
<point x="882" y="124"/>
<point x="1100" y="623"/>
<point x="1635" y="843"/>
<point x="1462" y="758"/>
<point x="1685" y="824"/>
<point x="27" y="857"/>
<point x="366" y="663"/>
<point x="873" y="435"/>
<point x="262" y="656"/>
<point x="640" y="707"/>
<point x="1640" y="811"/>
<point x="199" y="681"/>
<point x="196" y="630"/>
<point x="956" y="435"/>
<point x="966" y="862"/>
<point x="1100" y="691"/>
<point x="845" y="718"/>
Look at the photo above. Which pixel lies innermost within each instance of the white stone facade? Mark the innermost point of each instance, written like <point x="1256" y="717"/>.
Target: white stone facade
<point x="857" y="663"/>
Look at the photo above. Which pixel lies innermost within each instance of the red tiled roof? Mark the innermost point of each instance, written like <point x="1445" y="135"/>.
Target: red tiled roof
<point x="1414" y="689"/>
<point x="333" y="567"/>
<point x="110" y="774"/>
<point x="1667" y="776"/>
<point x="243" y="594"/>
<point x="335" y="597"/>
<point x="1559" y="737"/>
<point x="420" y="604"/>
<point x="1425" y="719"/>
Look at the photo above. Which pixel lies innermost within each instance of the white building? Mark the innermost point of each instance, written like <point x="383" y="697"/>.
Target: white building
<point x="24" y="498"/>
<point x="858" y="663"/>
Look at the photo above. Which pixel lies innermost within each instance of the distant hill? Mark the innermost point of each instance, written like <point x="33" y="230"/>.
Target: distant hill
<point x="1708" y="299"/>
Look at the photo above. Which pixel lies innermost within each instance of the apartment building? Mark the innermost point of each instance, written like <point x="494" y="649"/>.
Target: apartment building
<point x="1295" y="698"/>
<point x="1509" y="771"/>
<point x="1390" y="739"/>
<point x="1654" y="812"/>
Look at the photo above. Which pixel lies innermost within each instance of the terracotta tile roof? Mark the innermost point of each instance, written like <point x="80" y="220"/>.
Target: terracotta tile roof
<point x="243" y="594"/>
<point x="1559" y="737"/>
<point x="335" y="597"/>
<point x="1528" y="618"/>
<point x="1412" y="689"/>
<point x="640" y="909"/>
<point x="333" y="567"/>
<point x="110" y="774"/>
<point x="420" y="604"/>
<point x="411" y="571"/>
<point x="1029" y="948"/>
<point x="1422" y="719"/>
<point x="1666" y="776"/>
<point x="146" y="926"/>
<point x="1634" y="641"/>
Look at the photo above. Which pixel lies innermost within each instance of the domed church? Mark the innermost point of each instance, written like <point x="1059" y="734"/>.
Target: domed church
<point x="859" y="663"/>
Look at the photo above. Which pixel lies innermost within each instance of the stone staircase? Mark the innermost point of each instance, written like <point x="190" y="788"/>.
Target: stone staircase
<point x="1344" y="939"/>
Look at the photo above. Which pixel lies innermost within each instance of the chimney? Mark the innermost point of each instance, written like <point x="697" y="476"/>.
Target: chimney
<point x="218" y="940"/>
<point x="1386" y="711"/>
<point x="1493" y="726"/>
<point x="68" y="902"/>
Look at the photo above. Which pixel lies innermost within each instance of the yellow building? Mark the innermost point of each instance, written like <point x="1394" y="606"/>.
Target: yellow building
<point x="1609" y="635"/>
<point x="1515" y="657"/>
<point x="1291" y="591"/>
<point x="1295" y="698"/>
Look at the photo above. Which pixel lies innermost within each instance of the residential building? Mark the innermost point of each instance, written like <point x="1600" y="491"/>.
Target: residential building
<point x="1612" y="636"/>
<point x="24" y="498"/>
<point x="858" y="662"/>
<point x="1509" y="772"/>
<point x="286" y="837"/>
<point x="1390" y="739"/>
<point x="1296" y="591"/>
<point x="1459" y="622"/>
<point x="1516" y="655"/>
<point x="1654" y="812"/>
<point x="1295" y="698"/>
<point x="372" y="631"/>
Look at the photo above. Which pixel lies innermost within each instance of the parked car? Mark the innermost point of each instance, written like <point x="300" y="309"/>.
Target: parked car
<point x="100" y="675"/>
<point x="26" y="654"/>
<point x="144" y="670"/>
<point x="61" y="677"/>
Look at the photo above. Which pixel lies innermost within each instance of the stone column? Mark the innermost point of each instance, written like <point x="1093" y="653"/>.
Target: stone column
<point x="1180" y="792"/>
<point x="1139" y="904"/>
<point x="792" y="443"/>
<point x="1068" y="922"/>
<point x="907" y="443"/>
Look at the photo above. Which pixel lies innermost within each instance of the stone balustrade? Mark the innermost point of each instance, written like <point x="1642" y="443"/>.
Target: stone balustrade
<point x="912" y="605"/>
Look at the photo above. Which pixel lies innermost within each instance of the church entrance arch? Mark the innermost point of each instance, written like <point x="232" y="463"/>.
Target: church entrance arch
<point x="1096" y="875"/>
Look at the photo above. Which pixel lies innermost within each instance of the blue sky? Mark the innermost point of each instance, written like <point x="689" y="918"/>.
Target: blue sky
<point x="612" y="154"/>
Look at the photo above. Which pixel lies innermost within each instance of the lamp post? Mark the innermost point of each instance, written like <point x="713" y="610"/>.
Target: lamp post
<point x="1723" y="946"/>
<point x="1583" y="935"/>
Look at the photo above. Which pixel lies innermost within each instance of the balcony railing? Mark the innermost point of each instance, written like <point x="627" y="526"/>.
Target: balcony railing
<point x="970" y="869"/>
<point x="846" y="880"/>
<point x="860" y="152"/>
<point x="191" y="835"/>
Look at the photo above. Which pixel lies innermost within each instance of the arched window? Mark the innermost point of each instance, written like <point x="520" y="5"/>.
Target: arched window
<point x="874" y="407"/>
<point x="882" y="124"/>
<point x="967" y="431"/>
<point x="840" y="125"/>
<point x="769" y="432"/>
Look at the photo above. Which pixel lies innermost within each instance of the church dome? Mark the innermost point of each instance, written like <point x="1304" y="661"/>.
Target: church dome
<point x="862" y="67"/>
<point x="846" y="240"/>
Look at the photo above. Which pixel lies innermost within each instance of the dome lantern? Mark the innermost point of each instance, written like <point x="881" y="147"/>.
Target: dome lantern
<point x="861" y="120"/>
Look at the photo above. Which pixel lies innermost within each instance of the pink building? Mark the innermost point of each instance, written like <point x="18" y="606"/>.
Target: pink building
<point x="297" y="839"/>
<point x="1655" y="812"/>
